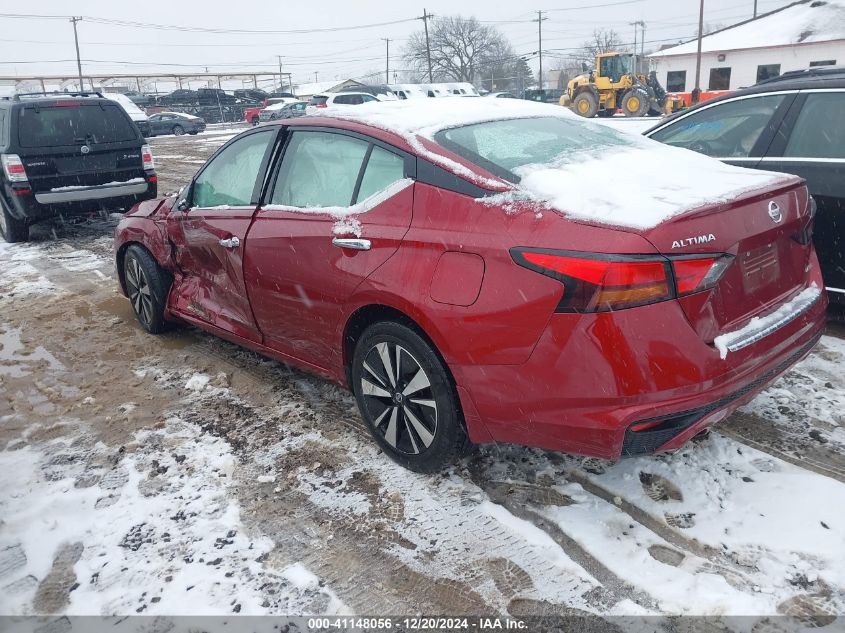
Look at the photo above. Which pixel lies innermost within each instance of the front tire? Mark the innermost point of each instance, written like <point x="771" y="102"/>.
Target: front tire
<point x="586" y="104"/>
<point x="147" y="286"/>
<point x="407" y="398"/>
<point x="12" y="229"/>
<point x="178" y="130"/>
<point x="635" y="103"/>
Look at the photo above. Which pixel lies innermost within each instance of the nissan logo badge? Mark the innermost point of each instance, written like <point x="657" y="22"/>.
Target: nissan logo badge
<point x="775" y="212"/>
<point x="85" y="149"/>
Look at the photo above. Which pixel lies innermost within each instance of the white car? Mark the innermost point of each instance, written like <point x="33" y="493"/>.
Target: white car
<point x="338" y="100"/>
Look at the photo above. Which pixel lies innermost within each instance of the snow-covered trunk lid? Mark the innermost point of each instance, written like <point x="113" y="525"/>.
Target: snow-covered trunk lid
<point x="766" y="238"/>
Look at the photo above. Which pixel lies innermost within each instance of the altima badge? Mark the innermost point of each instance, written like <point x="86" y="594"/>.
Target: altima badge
<point x="775" y="212"/>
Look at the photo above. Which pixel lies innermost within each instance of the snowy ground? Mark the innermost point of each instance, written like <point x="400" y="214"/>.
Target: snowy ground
<point x="180" y="474"/>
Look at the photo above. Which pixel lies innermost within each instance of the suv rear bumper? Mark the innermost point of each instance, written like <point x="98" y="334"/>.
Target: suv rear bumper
<point x="33" y="207"/>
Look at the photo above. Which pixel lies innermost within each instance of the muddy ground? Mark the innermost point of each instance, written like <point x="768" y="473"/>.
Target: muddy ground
<point x="180" y="474"/>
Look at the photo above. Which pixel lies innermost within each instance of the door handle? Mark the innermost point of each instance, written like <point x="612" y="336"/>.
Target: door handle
<point x="232" y="242"/>
<point x="354" y="244"/>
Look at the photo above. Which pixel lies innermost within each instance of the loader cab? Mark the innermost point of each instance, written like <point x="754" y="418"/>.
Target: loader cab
<point x="613" y="66"/>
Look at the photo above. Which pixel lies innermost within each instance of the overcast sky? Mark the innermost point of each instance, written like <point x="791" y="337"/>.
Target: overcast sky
<point x="45" y="46"/>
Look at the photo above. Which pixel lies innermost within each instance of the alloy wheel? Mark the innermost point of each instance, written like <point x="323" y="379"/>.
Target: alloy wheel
<point x="139" y="291"/>
<point x="398" y="398"/>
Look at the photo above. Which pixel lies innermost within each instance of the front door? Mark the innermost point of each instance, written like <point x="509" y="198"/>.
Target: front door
<point x="812" y="145"/>
<point x="211" y="234"/>
<point x="339" y="208"/>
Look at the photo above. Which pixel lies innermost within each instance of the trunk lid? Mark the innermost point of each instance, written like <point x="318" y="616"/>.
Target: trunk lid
<point x="764" y="233"/>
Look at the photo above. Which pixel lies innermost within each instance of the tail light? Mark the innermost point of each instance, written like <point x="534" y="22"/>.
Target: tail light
<point x="147" y="158"/>
<point x="13" y="168"/>
<point x="805" y="235"/>
<point x="322" y="105"/>
<point x="601" y="283"/>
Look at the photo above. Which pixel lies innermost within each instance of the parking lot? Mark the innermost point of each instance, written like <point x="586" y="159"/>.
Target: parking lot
<point x="181" y="474"/>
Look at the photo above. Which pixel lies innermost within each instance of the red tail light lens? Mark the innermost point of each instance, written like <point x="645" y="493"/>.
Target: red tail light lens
<point x="694" y="274"/>
<point x="13" y="168"/>
<point x="599" y="283"/>
<point x="147" y="157"/>
<point x="322" y="105"/>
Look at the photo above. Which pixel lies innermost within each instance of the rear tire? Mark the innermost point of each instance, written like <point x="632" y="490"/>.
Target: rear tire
<point x="586" y="105"/>
<point x="407" y="398"/>
<point x="147" y="286"/>
<point x="12" y="229"/>
<point x="178" y="130"/>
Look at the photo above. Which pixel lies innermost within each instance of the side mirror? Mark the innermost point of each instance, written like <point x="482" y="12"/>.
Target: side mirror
<point x="182" y="202"/>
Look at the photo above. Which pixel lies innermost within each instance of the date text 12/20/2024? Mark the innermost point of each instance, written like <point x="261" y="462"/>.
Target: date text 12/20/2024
<point x="416" y="624"/>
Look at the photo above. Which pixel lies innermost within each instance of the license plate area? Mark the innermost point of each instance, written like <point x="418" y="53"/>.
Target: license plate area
<point x="760" y="267"/>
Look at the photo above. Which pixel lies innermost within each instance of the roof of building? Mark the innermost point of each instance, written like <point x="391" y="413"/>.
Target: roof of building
<point x="803" y="22"/>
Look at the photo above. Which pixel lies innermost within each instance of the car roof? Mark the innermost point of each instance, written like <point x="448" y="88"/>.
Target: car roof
<point x="807" y="79"/>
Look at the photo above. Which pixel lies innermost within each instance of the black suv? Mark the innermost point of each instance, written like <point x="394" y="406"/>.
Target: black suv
<point x="794" y="123"/>
<point x="68" y="154"/>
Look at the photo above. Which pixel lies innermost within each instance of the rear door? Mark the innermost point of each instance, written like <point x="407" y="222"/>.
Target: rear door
<point x="77" y="143"/>
<point x="811" y="144"/>
<point x="338" y="209"/>
<point x="210" y="236"/>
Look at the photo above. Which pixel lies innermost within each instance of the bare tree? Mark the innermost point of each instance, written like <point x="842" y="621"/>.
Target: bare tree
<point x="603" y="41"/>
<point x="460" y="47"/>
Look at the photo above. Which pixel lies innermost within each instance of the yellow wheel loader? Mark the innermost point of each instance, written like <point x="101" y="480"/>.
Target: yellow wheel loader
<point x="612" y="84"/>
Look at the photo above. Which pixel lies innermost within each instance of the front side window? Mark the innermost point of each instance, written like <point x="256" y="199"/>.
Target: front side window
<point x="720" y="79"/>
<point x="767" y="71"/>
<point x="230" y="178"/>
<point x="676" y="80"/>
<point x="818" y="132"/>
<point x="726" y="130"/>
<point x="319" y="169"/>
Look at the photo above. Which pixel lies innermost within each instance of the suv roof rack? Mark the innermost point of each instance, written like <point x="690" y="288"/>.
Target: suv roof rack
<point x="816" y="71"/>
<point x="50" y="93"/>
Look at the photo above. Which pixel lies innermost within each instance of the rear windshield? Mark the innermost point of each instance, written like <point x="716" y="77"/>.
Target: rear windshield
<point x="503" y="147"/>
<point x="318" y="100"/>
<point x="47" y="126"/>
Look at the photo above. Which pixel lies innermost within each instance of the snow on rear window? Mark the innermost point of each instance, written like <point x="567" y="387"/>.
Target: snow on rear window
<point x="47" y="126"/>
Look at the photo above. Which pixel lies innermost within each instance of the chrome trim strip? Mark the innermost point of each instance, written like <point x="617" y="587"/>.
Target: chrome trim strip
<point x="756" y="335"/>
<point x="90" y="193"/>
<point x="832" y="289"/>
<point x="798" y="159"/>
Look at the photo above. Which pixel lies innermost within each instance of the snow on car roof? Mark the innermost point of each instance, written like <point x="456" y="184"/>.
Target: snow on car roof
<point x="602" y="175"/>
<point x="799" y="23"/>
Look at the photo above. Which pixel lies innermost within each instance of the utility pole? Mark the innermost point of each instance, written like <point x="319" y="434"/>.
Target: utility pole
<point x="755" y="9"/>
<point x="315" y="75"/>
<point x="281" y="76"/>
<point x="639" y="23"/>
<point x="539" y="22"/>
<point x="78" y="60"/>
<point x="387" y="61"/>
<point x="698" y="53"/>
<point x="425" y="18"/>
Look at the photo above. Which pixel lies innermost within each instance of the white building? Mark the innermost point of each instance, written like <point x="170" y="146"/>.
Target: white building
<point x="800" y="35"/>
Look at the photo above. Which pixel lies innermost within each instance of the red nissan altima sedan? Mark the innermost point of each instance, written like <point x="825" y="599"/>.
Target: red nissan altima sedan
<point x="482" y="271"/>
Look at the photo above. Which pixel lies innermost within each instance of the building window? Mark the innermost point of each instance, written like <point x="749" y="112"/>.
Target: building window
<point x="720" y="79"/>
<point x="824" y="62"/>
<point x="767" y="71"/>
<point x="676" y="80"/>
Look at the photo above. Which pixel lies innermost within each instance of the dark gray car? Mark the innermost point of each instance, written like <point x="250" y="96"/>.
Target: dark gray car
<point x="794" y="124"/>
<point x="175" y="123"/>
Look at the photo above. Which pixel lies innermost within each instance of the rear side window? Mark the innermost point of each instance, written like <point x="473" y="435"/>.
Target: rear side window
<point x="383" y="169"/>
<point x="47" y="126"/>
<point x="318" y="100"/>
<point x="319" y="169"/>
<point x="818" y="132"/>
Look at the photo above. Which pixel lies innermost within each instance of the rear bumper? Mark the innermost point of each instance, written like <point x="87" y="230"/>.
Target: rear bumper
<point x="34" y="207"/>
<point x="592" y="377"/>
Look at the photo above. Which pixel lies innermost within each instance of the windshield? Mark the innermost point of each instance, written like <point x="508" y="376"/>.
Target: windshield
<point x="616" y="66"/>
<point x="503" y="147"/>
<point x="47" y="126"/>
